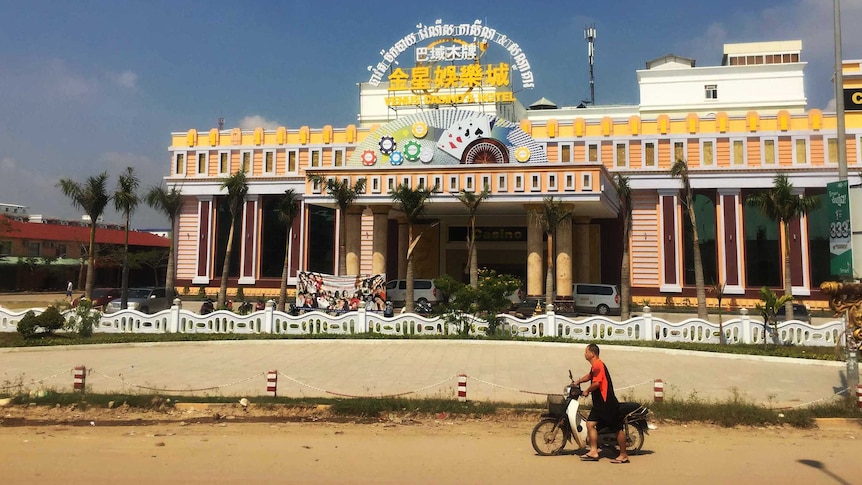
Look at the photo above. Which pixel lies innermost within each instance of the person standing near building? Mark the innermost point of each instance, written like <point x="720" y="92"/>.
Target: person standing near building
<point x="69" y="289"/>
<point x="606" y="408"/>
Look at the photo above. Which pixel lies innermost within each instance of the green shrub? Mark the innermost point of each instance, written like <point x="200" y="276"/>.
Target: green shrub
<point x="51" y="320"/>
<point x="28" y="326"/>
<point x="83" y="319"/>
<point x="240" y="295"/>
<point x="202" y="292"/>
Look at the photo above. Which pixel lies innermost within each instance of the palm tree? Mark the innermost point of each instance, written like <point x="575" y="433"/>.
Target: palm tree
<point x="92" y="198"/>
<point x="344" y="195"/>
<point x="126" y="201"/>
<point x="624" y="192"/>
<point x="236" y="186"/>
<point x="412" y="202"/>
<point x="680" y="169"/>
<point x="780" y="204"/>
<point x="287" y="210"/>
<point x="169" y="203"/>
<point x="471" y="201"/>
<point x="549" y="218"/>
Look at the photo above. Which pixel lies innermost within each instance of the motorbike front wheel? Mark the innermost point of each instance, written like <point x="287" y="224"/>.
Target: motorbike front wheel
<point x="634" y="439"/>
<point x="548" y="438"/>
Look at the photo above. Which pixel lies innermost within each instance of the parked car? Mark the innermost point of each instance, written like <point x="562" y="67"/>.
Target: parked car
<point x="424" y="291"/>
<point x="596" y="298"/>
<point x="145" y="300"/>
<point x="101" y="297"/>
<point x="527" y="307"/>
<point x="800" y="312"/>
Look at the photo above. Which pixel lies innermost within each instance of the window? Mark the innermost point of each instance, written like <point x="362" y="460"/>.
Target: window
<point x="519" y="183"/>
<point x="552" y="181"/>
<point x="421" y="182"/>
<point x="61" y="251"/>
<point x="570" y="181"/>
<point x="314" y="156"/>
<point x="593" y="153"/>
<point x="649" y="158"/>
<point x="405" y="182"/>
<point x="502" y="183"/>
<point x="292" y="157"/>
<point x="707" y="153"/>
<point x="486" y="182"/>
<point x="468" y="184"/>
<point x="5" y="248"/>
<point x="375" y="185"/>
<point x="438" y="183"/>
<point x="566" y="152"/>
<point x="316" y="186"/>
<point x="678" y="153"/>
<point x="338" y="157"/>
<point x="390" y="184"/>
<point x="202" y="164"/>
<point x="704" y="211"/>
<point x="180" y="163"/>
<point x="223" y="163"/>
<point x="737" y="152"/>
<point x="453" y="183"/>
<point x="767" y="151"/>
<point x="831" y="155"/>
<point x="587" y="182"/>
<point x="711" y="91"/>
<point x="269" y="162"/>
<point x="621" y="156"/>
<point x="800" y="151"/>
<point x="245" y="165"/>
<point x="33" y="249"/>
<point x="535" y="183"/>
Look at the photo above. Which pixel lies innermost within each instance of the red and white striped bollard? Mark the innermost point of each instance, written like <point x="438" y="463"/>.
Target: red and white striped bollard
<point x="658" y="390"/>
<point x="80" y="378"/>
<point x="272" y="382"/>
<point x="859" y="395"/>
<point x="462" y="387"/>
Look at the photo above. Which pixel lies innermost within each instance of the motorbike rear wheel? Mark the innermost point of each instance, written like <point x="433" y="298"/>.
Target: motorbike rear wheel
<point x="548" y="438"/>
<point x="634" y="439"/>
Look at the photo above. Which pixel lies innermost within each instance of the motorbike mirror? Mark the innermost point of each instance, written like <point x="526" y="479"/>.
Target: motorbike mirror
<point x="570" y="375"/>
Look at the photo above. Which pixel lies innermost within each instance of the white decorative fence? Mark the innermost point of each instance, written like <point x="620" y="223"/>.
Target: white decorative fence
<point x="645" y="327"/>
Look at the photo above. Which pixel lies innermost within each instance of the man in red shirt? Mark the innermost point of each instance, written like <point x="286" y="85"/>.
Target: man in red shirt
<point x="606" y="408"/>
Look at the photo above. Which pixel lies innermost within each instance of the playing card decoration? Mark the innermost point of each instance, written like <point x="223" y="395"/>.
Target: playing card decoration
<point x="455" y="139"/>
<point x="387" y="145"/>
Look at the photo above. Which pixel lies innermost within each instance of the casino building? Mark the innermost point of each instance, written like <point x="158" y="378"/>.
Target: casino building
<point x="452" y="118"/>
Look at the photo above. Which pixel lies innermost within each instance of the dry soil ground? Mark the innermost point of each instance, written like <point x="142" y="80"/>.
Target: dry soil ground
<point x="226" y="445"/>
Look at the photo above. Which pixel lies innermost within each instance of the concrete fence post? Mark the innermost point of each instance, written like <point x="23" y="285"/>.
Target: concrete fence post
<point x="361" y="321"/>
<point x="174" y="320"/>
<point x="746" y="325"/>
<point x="649" y="331"/>
<point x="268" y="317"/>
<point x="550" y="322"/>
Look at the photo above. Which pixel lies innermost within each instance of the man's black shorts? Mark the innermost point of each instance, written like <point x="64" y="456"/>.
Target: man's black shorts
<point x="606" y="417"/>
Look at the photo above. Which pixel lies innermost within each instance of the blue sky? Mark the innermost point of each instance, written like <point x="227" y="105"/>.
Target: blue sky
<point x="89" y="86"/>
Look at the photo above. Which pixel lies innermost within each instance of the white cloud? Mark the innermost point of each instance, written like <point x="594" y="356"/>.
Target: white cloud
<point x="126" y="79"/>
<point x="116" y="162"/>
<point x="256" y="121"/>
<point x="830" y="106"/>
<point x="61" y="81"/>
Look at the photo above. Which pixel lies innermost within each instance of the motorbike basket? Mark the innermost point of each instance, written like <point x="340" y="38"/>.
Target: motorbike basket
<point x="556" y="404"/>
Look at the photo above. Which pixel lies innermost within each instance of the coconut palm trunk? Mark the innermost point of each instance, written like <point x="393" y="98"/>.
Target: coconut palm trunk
<point x="222" y="292"/>
<point x="788" y="280"/>
<point x="700" y="288"/>
<point x="549" y="275"/>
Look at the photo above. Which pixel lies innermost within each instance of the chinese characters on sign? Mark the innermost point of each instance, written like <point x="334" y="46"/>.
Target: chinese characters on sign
<point x="466" y="76"/>
<point x="476" y="30"/>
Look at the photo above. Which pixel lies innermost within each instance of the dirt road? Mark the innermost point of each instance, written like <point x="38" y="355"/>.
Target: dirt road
<point x="413" y="451"/>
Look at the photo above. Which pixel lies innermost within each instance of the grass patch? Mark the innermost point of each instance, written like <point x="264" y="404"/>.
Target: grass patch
<point x="370" y="407"/>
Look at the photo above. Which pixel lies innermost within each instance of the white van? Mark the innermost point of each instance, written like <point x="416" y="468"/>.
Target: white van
<point x="424" y="291"/>
<point x="596" y="298"/>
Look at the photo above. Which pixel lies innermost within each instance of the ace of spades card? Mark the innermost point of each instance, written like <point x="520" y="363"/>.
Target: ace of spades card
<point x="456" y="138"/>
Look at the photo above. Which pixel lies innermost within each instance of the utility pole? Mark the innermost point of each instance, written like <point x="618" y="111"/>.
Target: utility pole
<point x="590" y="37"/>
<point x="851" y="344"/>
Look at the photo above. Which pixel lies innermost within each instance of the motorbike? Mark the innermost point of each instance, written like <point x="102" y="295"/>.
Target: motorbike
<point x="208" y="306"/>
<point x="566" y="422"/>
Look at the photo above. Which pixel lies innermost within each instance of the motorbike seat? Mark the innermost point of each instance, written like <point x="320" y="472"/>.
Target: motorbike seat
<point x="627" y="408"/>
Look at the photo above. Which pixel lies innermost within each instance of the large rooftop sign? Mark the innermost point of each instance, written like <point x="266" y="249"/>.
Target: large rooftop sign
<point x="436" y="50"/>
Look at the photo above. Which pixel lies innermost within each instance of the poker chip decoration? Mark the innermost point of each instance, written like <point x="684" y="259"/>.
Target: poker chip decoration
<point x="522" y="154"/>
<point x="420" y="129"/>
<point x="426" y="155"/>
<point x="369" y="158"/>
<point x="387" y="145"/>
<point x="412" y="150"/>
<point x="396" y="158"/>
